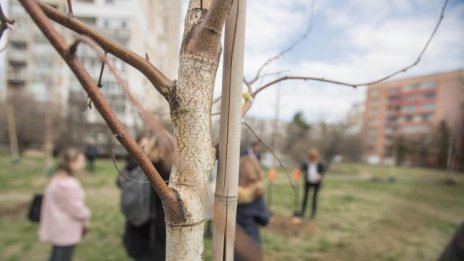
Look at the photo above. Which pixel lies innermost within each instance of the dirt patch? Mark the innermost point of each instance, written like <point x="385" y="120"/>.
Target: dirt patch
<point x="14" y="210"/>
<point x="288" y="226"/>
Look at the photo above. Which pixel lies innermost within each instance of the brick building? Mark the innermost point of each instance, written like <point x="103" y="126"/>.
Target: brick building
<point x="411" y="109"/>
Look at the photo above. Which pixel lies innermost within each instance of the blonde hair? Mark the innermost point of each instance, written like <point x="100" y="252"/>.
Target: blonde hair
<point x="250" y="180"/>
<point x="66" y="157"/>
<point x="313" y="155"/>
<point x="158" y="148"/>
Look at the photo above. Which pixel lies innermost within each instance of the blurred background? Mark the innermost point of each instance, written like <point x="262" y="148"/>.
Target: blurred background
<point x="394" y="150"/>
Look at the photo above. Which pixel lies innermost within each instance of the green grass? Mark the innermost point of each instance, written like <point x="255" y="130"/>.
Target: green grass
<point x="364" y="214"/>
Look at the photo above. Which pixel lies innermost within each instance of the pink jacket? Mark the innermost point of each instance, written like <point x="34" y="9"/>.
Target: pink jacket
<point x="63" y="211"/>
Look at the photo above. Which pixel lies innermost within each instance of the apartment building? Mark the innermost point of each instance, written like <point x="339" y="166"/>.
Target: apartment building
<point x="411" y="108"/>
<point x="148" y="27"/>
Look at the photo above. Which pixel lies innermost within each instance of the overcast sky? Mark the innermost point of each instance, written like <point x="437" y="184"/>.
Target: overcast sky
<point x="351" y="40"/>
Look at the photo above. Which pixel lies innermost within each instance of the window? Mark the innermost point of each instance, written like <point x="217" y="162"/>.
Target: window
<point x="429" y="95"/>
<point x="428" y="107"/>
<point x="415" y="129"/>
<point x="410" y="87"/>
<point x="417" y="118"/>
<point x="19" y="45"/>
<point x="428" y="85"/>
<point x="373" y="93"/>
<point x="426" y="117"/>
<point x="408" y="108"/>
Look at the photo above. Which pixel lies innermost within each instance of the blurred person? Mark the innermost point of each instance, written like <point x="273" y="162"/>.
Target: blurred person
<point x="64" y="216"/>
<point x="313" y="171"/>
<point x="253" y="151"/>
<point x="454" y="251"/>
<point x="145" y="230"/>
<point x="251" y="209"/>
<point x="91" y="154"/>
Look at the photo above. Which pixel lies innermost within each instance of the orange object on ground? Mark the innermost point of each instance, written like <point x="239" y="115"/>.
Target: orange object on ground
<point x="296" y="174"/>
<point x="271" y="174"/>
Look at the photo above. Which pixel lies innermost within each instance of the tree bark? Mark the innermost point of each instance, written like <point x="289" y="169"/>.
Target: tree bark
<point x="190" y="103"/>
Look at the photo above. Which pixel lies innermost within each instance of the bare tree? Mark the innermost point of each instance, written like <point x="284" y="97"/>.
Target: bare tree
<point x="190" y="101"/>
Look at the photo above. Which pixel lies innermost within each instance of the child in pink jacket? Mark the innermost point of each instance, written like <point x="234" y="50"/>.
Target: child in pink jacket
<point x="64" y="216"/>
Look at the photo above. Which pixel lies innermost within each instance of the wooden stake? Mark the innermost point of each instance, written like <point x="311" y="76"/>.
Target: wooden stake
<point x="225" y="204"/>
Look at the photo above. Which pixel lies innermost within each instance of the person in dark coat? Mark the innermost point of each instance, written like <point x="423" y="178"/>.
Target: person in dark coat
<point x="147" y="241"/>
<point x="251" y="209"/>
<point x="91" y="154"/>
<point x="455" y="249"/>
<point x="313" y="173"/>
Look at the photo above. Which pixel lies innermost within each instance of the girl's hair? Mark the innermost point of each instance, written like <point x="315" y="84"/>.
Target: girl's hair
<point x="159" y="148"/>
<point x="313" y="154"/>
<point x="65" y="159"/>
<point x="249" y="171"/>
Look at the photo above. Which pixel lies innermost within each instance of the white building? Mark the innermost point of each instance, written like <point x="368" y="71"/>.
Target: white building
<point x="144" y="26"/>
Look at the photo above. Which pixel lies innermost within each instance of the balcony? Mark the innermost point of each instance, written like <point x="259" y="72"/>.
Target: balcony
<point x="17" y="77"/>
<point x="17" y="55"/>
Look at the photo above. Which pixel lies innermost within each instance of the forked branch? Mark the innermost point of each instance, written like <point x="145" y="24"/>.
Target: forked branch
<point x="4" y="22"/>
<point x="206" y="37"/>
<point x="161" y="82"/>
<point x="289" y="48"/>
<point x="172" y="203"/>
<point x="354" y="85"/>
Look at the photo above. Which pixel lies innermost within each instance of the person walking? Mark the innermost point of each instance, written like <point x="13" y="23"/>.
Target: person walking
<point x="313" y="171"/>
<point x="91" y="154"/>
<point x="145" y="230"/>
<point x="64" y="216"/>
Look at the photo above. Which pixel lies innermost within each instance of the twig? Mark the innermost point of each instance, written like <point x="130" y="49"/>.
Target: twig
<point x="354" y="85"/>
<point x="290" y="47"/>
<point x="115" y="136"/>
<point x="160" y="81"/>
<point x="168" y="196"/>
<point x="150" y="120"/>
<point x="273" y="154"/>
<point x="4" y="22"/>
<point x="70" y="9"/>
<point x="99" y="84"/>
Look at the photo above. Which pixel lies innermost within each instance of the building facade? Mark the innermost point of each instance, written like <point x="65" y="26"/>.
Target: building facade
<point x="411" y="109"/>
<point x="147" y="27"/>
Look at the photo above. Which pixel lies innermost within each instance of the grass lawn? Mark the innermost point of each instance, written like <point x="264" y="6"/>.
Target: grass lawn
<point x="366" y="213"/>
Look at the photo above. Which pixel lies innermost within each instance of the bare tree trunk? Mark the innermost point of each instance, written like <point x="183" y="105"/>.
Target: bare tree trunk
<point x="12" y="135"/>
<point x="225" y="203"/>
<point x="190" y="104"/>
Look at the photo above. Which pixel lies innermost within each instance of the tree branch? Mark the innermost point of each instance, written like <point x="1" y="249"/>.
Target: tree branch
<point x="4" y="22"/>
<point x="206" y="36"/>
<point x="160" y="81"/>
<point x="169" y="197"/>
<point x="290" y="47"/>
<point x="354" y="85"/>
<point x="273" y="154"/>
<point x="150" y="120"/>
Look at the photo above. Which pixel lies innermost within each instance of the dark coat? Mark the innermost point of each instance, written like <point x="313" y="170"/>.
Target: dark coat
<point x="455" y="249"/>
<point x="148" y="241"/>
<point x="320" y="170"/>
<point x="91" y="152"/>
<point x="250" y="215"/>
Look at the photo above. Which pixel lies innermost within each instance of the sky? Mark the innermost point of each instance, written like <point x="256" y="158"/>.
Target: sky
<point x="352" y="41"/>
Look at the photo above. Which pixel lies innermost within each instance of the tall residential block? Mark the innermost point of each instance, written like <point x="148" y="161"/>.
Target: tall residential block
<point x="411" y="108"/>
<point x="147" y="27"/>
